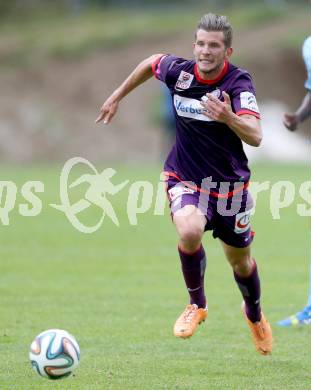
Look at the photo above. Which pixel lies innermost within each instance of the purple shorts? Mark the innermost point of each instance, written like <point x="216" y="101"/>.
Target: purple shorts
<point x="228" y="218"/>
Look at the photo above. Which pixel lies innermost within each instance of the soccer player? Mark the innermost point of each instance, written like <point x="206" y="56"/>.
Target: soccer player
<point x="291" y="121"/>
<point x="207" y="171"/>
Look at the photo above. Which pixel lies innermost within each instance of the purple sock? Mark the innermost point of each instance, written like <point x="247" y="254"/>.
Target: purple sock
<point x="193" y="267"/>
<point x="250" y="289"/>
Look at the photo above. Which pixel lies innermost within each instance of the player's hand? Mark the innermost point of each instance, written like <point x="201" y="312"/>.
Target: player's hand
<point x="291" y="121"/>
<point x="217" y="110"/>
<point x="108" y="110"/>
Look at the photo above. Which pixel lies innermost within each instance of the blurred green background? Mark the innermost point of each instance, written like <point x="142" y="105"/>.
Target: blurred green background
<point x="61" y="59"/>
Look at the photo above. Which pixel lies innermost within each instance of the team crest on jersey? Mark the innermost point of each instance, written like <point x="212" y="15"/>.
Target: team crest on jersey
<point x="184" y="80"/>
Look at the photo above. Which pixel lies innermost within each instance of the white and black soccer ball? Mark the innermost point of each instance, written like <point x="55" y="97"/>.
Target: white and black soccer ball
<point x="54" y="354"/>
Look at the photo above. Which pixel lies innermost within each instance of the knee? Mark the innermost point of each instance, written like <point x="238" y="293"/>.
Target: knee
<point x="243" y="266"/>
<point x="190" y="232"/>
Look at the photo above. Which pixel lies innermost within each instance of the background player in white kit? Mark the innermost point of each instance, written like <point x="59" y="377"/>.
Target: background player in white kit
<point x="291" y="121"/>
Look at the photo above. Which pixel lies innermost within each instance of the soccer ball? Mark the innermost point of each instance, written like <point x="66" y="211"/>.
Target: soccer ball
<point x="54" y="354"/>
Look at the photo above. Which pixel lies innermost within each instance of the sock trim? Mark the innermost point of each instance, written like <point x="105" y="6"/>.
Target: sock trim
<point x="188" y="253"/>
<point x="254" y="267"/>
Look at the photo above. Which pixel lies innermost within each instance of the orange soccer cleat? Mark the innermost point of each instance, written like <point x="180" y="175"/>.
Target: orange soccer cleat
<point x="261" y="333"/>
<point x="188" y="321"/>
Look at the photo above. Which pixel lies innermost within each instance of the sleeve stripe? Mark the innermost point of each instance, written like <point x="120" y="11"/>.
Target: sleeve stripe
<point x="155" y="66"/>
<point x="249" y="112"/>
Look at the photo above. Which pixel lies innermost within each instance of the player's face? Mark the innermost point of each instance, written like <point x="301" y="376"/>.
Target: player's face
<point x="210" y="52"/>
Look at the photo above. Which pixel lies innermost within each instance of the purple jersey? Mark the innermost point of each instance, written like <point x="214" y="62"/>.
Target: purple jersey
<point x="205" y="148"/>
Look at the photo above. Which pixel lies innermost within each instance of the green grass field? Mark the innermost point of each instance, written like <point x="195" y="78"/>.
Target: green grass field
<point x="120" y="290"/>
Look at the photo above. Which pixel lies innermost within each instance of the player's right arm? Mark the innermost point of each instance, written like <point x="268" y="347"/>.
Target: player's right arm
<point x="140" y="74"/>
<point x="291" y="120"/>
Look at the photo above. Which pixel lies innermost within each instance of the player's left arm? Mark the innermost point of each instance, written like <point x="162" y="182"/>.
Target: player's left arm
<point x="246" y="126"/>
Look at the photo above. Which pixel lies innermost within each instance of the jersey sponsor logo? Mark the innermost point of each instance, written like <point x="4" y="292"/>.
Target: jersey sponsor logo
<point x="190" y="108"/>
<point x="178" y="190"/>
<point x="248" y="101"/>
<point x="184" y="80"/>
<point x="242" y="221"/>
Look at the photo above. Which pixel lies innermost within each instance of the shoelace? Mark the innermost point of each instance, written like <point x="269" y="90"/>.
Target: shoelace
<point x="189" y="314"/>
<point x="260" y="330"/>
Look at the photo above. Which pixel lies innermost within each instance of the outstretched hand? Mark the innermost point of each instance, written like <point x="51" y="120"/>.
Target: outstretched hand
<point x="108" y="110"/>
<point x="291" y="121"/>
<point x="217" y="110"/>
